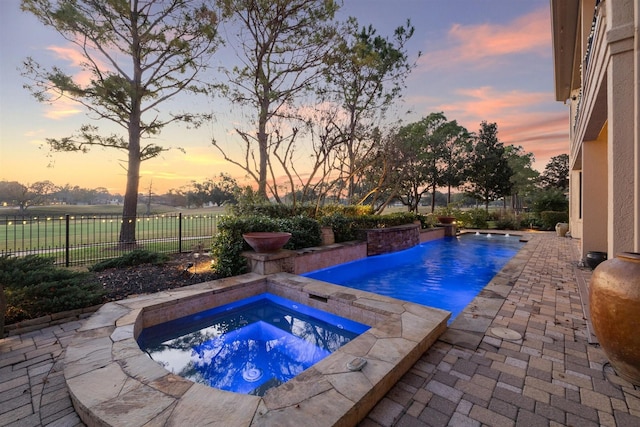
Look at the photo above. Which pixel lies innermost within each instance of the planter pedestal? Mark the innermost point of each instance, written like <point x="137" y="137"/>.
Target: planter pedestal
<point x="450" y="230"/>
<point x="614" y="302"/>
<point x="278" y="262"/>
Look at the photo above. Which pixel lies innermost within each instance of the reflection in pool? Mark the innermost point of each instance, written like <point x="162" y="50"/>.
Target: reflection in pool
<point x="248" y="346"/>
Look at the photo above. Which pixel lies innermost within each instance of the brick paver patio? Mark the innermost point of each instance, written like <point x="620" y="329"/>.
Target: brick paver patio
<point x="553" y="376"/>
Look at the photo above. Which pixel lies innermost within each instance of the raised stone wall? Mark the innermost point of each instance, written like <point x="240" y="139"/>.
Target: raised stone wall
<point x="392" y="239"/>
<point x="374" y="242"/>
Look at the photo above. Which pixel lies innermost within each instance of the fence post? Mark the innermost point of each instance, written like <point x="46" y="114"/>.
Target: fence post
<point x="66" y="241"/>
<point x="180" y="232"/>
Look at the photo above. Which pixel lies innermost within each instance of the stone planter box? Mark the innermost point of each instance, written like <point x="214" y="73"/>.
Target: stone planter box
<point x="392" y="239"/>
<point x="374" y="242"/>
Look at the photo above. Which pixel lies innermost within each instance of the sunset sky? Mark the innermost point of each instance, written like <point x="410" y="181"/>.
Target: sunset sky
<point x="481" y="60"/>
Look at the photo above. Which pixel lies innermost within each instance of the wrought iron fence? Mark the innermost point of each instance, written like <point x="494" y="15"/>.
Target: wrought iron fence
<point x="87" y="239"/>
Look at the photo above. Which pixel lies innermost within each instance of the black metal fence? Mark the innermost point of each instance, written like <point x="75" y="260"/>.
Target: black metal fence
<point x="87" y="239"/>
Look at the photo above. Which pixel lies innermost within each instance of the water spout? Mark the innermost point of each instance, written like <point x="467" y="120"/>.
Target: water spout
<point x="477" y="233"/>
<point x="488" y="234"/>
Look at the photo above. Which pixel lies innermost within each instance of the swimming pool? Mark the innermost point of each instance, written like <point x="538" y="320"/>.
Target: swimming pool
<point x="248" y="346"/>
<point x="445" y="273"/>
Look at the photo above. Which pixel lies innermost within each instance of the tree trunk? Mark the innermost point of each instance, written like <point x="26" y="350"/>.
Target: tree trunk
<point x="262" y="183"/>
<point x="433" y="198"/>
<point x="130" y="205"/>
<point x="263" y="137"/>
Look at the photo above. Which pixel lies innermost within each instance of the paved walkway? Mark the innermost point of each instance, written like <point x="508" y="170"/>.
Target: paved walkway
<point x="473" y="376"/>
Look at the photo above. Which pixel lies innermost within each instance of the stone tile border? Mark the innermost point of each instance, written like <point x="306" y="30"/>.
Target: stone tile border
<point x="470" y="326"/>
<point x="112" y="382"/>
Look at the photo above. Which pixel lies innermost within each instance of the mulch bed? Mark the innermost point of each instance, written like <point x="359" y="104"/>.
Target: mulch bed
<point x="181" y="270"/>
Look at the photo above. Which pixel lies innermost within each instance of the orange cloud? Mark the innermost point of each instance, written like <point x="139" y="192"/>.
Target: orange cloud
<point x="482" y="44"/>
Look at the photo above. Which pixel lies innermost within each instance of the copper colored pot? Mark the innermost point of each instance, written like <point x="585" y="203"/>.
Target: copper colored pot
<point x="614" y="301"/>
<point x="266" y="242"/>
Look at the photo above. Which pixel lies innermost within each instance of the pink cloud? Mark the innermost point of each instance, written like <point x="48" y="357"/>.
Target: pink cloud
<point x="482" y="44"/>
<point x="485" y="102"/>
<point x="522" y="117"/>
<point x="74" y="59"/>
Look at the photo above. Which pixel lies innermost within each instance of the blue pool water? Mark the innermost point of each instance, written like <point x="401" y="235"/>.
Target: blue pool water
<point x="248" y="346"/>
<point x="445" y="273"/>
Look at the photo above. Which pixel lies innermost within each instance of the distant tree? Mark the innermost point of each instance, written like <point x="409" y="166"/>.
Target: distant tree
<point x="149" y="197"/>
<point x="282" y="46"/>
<point x="455" y="146"/>
<point x="415" y="160"/>
<point x="524" y="177"/>
<point x="42" y="191"/>
<point x="312" y="182"/>
<point x="366" y="73"/>
<point x="556" y="173"/>
<point x="218" y="191"/>
<point x="225" y="187"/>
<point x="75" y="195"/>
<point x="64" y="194"/>
<point x="550" y="200"/>
<point x="440" y="149"/>
<point x="198" y="194"/>
<point x="379" y="176"/>
<point x="175" y="198"/>
<point x="139" y="55"/>
<point x="418" y="151"/>
<point x="102" y="196"/>
<point x="14" y="193"/>
<point x="488" y="172"/>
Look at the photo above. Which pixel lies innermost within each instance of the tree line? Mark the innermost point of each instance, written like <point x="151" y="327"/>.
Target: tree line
<point x="211" y="192"/>
<point x="312" y="95"/>
<point x="525" y="184"/>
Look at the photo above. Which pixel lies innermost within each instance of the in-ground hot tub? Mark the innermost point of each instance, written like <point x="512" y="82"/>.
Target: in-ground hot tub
<point x="113" y="382"/>
<point x="248" y="346"/>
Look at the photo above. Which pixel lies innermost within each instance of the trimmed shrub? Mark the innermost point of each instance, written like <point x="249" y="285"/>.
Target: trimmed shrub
<point x="228" y="244"/>
<point x="550" y="200"/>
<point x="346" y="210"/>
<point x="474" y="218"/>
<point x="346" y="228"/>
<point x="508" y="222"/>
<point x="135" y="257"/>
<point x="271" y="210"/>
<point x="34" y="287"/>
<point x="549" y="219"/>
<point x="342" y="226"/>
<point x="530" y="220"/>
<point x="305" y="232"/>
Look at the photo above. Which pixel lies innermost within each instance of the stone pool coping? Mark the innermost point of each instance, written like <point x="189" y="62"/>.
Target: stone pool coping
<point x="112" y="382"/>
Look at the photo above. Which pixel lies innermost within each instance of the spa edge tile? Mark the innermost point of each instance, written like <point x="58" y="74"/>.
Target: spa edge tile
<point x="388" y="357"/>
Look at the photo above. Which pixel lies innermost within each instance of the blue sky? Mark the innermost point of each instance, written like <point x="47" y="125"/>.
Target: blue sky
<point x="481" y="60"/>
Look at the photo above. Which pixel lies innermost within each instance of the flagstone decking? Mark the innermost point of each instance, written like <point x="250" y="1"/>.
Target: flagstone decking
<point x="478" y="373"/>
